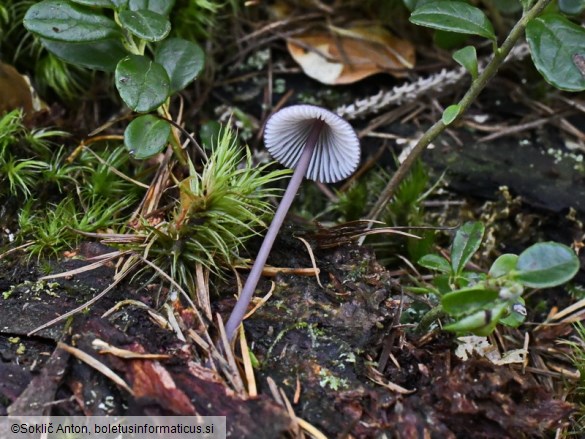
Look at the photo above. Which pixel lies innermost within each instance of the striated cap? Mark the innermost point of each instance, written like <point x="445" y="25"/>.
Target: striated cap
<point x="337" y="152"/>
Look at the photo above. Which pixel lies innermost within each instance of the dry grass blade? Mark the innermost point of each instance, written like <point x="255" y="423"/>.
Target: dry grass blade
<point x="15" y="249"/>
<point x="202" y="280"/>
<point x="262" y="301"/>
<point x="248" y="369"/>
<point x="97" y="365"/>
<point x="571" y="312"/>
<point x="105" y="348"/>
<point x="114" y="170"/>
<point x="232" y="372"/>
<point x="352" y="231"/>
<point x="177" y="286"/>
<point x="312" y="256"/>
<point x="172" y="322"/>
<point x="126" y="302"/>
<point x="79" y="308"/>
<point x="104" y="259"/>
<point x="379" y="379"/>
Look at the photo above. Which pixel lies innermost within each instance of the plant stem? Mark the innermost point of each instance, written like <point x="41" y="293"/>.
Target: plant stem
<point x="293" y="186"/>
<point x="476" y="87"/>
<point x="175" y="142"/>
<point x="433" y="314"/>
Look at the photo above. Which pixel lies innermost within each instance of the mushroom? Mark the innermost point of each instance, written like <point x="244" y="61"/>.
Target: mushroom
<point x="318" y="144"/>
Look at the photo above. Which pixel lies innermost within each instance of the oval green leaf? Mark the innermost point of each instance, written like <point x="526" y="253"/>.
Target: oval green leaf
<point x="95" y="3"/>
<point x="162" y="7"/>
<point x="466" y="242"/>
<point x="453" y="16"/>
<point x="467" y="300"/>
<point x="182" y="59"/>
<point x="148" y="25"/>
<point x="554" y="42"/>
<point x="467" y="58"/>
<point x="146" y="136"/>
<point x="517" y="314"/>
<point x="64" y="21"/>
<point x="480" y="323"/>
<point x="503" y="265"/>
<point x="142" y="83"/>
<point x="96" y="55"/>
<point x="571" y="7"/>
<point x="546" y="264"/>
<point x="450" y="114"/>
<point x="435" y="262"/>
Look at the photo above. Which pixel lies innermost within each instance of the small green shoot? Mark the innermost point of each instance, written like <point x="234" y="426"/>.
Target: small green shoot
<point x="478" y="301"/>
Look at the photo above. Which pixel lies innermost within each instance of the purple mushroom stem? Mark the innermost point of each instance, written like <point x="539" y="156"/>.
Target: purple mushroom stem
<point x="241" y="306"/>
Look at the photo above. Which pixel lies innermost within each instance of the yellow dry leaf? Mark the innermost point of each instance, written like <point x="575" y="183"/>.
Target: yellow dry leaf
<point x="16" y="91"/>
<point x="345" y="56"/>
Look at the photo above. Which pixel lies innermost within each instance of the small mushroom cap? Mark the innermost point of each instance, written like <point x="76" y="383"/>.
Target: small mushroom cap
<point x="337" y="152"/>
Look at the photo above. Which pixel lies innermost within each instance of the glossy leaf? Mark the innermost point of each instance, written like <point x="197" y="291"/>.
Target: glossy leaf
<point x="466" y="242"/>
<point x="453" y="16"/>
<point x="148" y="25"/>
<point x="435" y="262"/>
<point x="96" y="55"/>
<point x="67" y="22"/>
<point x="468" y="300"/>
<point x="554" y="42"/>
<point x="467" y="58"/>
<point x="95" y="3"/>
<point x="183" y="61"/>
<point x="503" y="265"/>
<point x="517" y="314"/>
<point x="162" y="7"/>
<point x="450" y="114"/>
<point x="480" y="323"/>
<point x="142" y="83"/>
<point x="546" y="264"/>
<point x="146" y="136"/>
<point x="571" y="7"/>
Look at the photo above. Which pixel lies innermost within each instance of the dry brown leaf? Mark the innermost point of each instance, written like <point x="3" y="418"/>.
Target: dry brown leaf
<point x="344" y="56"/>
<point x="16" y="91"/>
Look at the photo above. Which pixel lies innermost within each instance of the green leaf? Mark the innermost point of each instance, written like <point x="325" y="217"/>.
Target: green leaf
<point x="435" y="262"/>
<point x="554" y="41"/>
<point x="450" y="114"/>
<point x="467" y="241"/>
<point x="63" y="21"/>
<point x="142" y="83"/>
<point x="467" y="58"/>
<point x="146" y="136"/>
<point x="162" y="7"/>
<point x="517" y="314"/>
<point x="481" y="322"/>
<point x="453" y="16"/>
<point x="97" y="55"/>
<point x="183" y="61"/>
<point x="503" y="265"/>
<point x="571" y="7"/>
<point x="546" y="264"/>
<point x="95" y="3"/>
<point x="148" y="25"/>
<point x="468" y="300"/>
<point x="448" y="40"/>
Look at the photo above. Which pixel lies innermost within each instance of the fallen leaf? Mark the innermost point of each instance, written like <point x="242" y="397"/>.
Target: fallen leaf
<point x="16" y="91"/>
<point x="344" y="56"/>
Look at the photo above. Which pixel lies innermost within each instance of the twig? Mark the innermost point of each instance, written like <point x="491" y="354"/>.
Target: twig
<point x="476" y="87"/>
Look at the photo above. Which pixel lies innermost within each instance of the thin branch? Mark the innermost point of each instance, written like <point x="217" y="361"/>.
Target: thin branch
<point x="476" y="87"/>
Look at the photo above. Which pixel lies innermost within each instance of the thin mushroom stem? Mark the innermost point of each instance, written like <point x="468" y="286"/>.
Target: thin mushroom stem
<point x="293" y="186"/>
